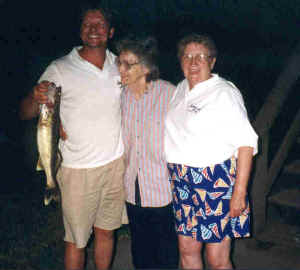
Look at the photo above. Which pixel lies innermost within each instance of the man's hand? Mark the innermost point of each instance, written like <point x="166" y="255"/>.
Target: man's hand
<point x="62" y="133"/>
<point x="39" y="94"/>
<point x="30" y="105"/>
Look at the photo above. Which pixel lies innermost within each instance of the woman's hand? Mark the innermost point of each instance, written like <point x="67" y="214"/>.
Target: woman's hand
<point x="244" y="163"/>
<point x="237" y="204"/>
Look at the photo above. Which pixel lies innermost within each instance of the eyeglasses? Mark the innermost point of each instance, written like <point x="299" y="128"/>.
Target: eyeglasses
<point x="199" y="58"/>
<point x="125" y="64"/>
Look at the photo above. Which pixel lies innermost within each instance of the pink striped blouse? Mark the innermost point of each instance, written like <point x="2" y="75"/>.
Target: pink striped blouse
<point x="143" y="125"/>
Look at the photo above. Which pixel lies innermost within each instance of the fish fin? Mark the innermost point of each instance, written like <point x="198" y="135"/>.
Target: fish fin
<point x="39" y="165"/>
<point x="125" y="216"/>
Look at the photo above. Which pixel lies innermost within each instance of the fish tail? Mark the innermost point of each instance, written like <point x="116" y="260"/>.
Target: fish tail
<point x="50" y="195"/>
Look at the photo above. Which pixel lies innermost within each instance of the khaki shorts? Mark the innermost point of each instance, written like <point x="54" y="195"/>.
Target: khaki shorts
<point x="91" y="198"/>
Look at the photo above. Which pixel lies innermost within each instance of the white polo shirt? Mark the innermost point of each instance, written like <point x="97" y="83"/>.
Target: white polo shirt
<point x="90" y="110"/>
<point x="207" y="125"/>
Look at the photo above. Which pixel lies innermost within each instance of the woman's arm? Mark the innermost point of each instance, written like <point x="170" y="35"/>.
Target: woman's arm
<point x="244" y="164"/>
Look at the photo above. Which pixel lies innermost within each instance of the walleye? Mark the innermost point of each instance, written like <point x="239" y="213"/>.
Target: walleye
<point x="47" y="140"/>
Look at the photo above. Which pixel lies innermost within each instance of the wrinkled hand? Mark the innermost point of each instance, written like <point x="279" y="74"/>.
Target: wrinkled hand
<point x="237" y="204"/>
<point x="62" y="133"/>
<point x="40" y="93"/>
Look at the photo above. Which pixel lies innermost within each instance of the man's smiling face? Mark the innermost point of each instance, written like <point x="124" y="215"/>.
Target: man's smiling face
<point x="95" y="30"/>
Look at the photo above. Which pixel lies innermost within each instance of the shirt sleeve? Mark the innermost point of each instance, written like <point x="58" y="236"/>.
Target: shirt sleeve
<point x="234" y="122"/>
<point x="51" y="74"/>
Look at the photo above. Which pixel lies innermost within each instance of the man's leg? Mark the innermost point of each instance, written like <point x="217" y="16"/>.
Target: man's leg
<point x="103" y="249"/>
<point x="109" y="211"/>
<point x="74" y="257"/>
<point x="71" y="183"/>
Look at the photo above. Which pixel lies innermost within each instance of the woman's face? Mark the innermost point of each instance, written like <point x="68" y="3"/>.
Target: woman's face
<point x="131" y="70"/>
<point x="196" y="63"/>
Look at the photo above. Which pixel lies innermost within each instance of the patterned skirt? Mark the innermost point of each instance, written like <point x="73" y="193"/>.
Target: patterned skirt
<point x="201" y="198"/>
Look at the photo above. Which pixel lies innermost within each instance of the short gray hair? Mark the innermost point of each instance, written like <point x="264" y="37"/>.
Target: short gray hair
<point x="146" y="51"/>
<point x="205" y="40"/>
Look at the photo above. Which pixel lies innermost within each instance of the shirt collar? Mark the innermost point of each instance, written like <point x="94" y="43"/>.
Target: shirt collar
<point x="149" y="89"/>
<point x="109" y="63"/>
<point x="201" y="88"/>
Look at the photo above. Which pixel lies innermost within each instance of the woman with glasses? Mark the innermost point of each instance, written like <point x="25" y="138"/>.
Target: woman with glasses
<point x="144" y="103"/>
<point x="209" y="145"/>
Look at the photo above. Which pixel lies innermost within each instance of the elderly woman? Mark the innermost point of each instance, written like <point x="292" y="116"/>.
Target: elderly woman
<point x="209" y="146"/>
<point x="144" y="104"/>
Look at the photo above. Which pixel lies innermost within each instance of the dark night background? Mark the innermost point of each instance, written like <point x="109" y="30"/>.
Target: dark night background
<point x="254" y="39"/>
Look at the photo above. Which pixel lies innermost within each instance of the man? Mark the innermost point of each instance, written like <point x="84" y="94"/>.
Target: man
<point x="91" y="177"/>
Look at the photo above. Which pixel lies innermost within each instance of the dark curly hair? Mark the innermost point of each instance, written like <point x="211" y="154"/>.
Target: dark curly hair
<point x="205" y="40"/>
<point x="145" y="49"/>
<point x="107" y="13"/>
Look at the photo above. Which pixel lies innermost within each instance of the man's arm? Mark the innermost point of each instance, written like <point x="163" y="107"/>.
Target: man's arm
<point x="29" y="108"/>
<point x="30" y="105"/>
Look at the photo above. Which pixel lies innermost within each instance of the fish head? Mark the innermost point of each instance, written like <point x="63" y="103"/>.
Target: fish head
<point x="51" y="92"/>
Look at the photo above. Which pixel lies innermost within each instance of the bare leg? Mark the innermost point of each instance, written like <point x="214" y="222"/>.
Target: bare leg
<point x="218" y="255"/>
<point x="104" y="241"/>
<point x="74" y="257"/>
<point x="190" y="253"/>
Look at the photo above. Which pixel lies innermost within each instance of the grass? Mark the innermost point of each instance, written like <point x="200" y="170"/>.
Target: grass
<point x="31" y="234"/>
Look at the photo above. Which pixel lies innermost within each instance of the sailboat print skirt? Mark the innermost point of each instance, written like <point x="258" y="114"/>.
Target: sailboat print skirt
<point x="201" y="198"/>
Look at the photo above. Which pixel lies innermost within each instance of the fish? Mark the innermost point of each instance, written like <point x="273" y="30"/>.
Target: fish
<point x="50" y="157"/>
